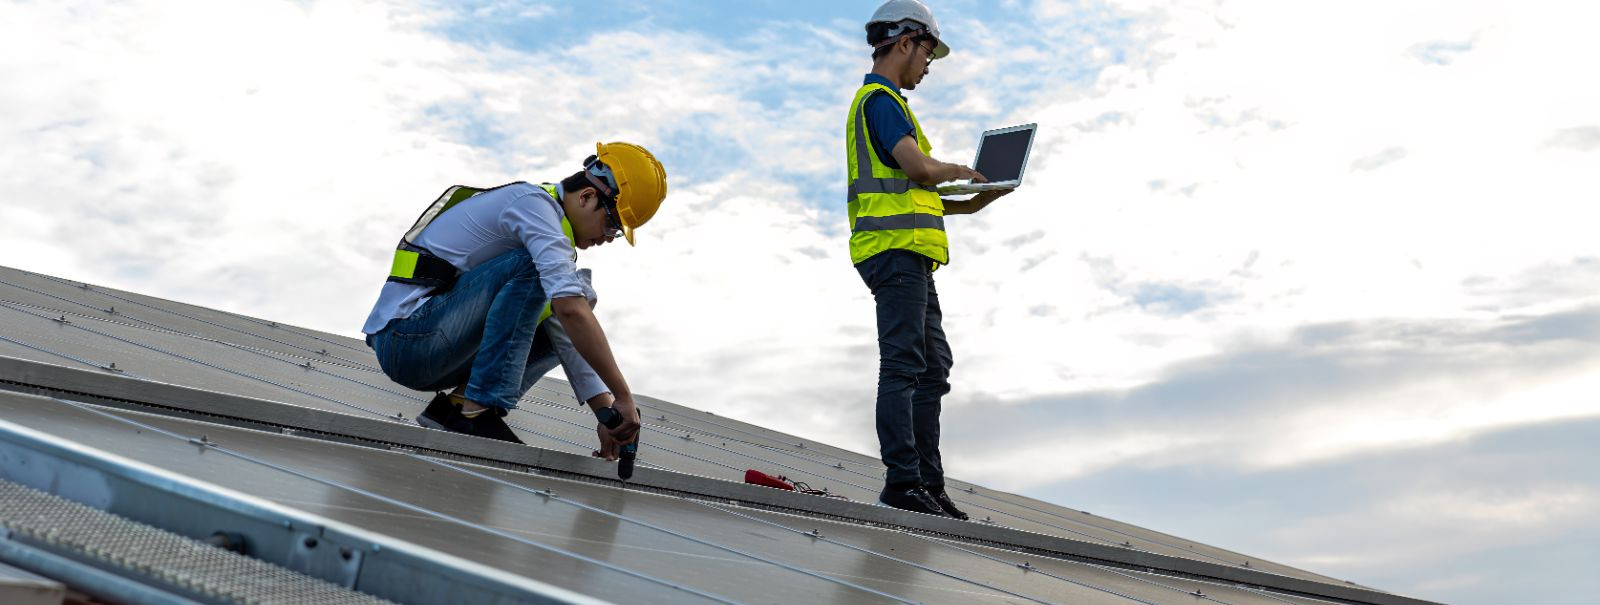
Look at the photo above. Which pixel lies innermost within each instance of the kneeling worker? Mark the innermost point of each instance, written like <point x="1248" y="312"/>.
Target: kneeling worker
<point x="479" y="272"/>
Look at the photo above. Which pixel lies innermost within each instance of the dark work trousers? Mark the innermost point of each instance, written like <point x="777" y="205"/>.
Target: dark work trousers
<point x="913" y="367"/>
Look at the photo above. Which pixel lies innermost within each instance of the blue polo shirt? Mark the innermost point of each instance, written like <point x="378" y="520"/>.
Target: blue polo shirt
<point x="886" y="122"/>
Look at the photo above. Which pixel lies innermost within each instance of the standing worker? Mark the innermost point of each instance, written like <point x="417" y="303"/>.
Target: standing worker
<point x="479" y="272"/>
<point x="897" y="240"/>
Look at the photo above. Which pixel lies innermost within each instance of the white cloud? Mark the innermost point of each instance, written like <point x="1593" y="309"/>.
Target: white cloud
<point x="1211" y="179"/>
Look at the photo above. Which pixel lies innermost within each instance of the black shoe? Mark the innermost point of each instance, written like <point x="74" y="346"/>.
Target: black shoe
<point x="444" y="415"/>
<point x="914" y="499"/>
<point x="945" y="503"/>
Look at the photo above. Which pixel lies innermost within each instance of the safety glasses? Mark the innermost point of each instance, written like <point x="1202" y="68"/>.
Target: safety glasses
<point x="927" y="51"/>
<point x="613" y="221"/>
<point x="608" y="201"/>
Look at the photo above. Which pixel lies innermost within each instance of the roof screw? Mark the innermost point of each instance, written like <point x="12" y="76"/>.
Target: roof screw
<point x="400" y="415"/>
<point x="815" y="533"/>
<point x="970" y="490"/>
<point x="662" y="417"/>
<point x="308" y="366"/>
<point x="272" y="324"/>
<point x="324" y="351"/>
<point x="1246" y="564"/>
<point x="113" y="368"/>
<point x="1026" y="566"/>
<point x="1127" y="544"/>
<point x="547" y="492"/>
<point x="800" y="445"/>
<point x="688" y="436"/>
<point x="111" y="310"/>
<point x="1197" y="593"/>
<point x="63" y="320"/>
<point x="839" y="465"/>
<point x="84" y="285"/>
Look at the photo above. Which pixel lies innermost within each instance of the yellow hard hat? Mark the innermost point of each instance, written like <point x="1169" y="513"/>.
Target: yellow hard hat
<point x="641" y="183"/>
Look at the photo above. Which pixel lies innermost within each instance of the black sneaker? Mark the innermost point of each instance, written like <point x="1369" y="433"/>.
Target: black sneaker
<point x="444" y="415"/>
<point x="945" y="502"/>
<point x="914" y="499"/>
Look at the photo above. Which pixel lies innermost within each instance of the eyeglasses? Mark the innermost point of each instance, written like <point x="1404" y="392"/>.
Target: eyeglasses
<point x="601" y="174"/>
<point x="928" y="50"/>
<point x="613" y="220"/>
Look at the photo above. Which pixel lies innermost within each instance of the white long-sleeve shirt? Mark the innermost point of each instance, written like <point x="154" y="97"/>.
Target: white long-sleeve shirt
<point x="480" y="228"/>
<point x="585" y="382"/>
<point x="490" y="224"/>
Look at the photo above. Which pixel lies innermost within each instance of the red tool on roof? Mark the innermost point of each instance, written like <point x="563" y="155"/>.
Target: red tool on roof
<point x="760" y="478"/>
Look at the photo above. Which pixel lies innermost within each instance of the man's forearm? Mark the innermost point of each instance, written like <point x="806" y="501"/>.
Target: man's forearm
<point x="965" y="206"/>
<point x="603" y="400"/>
<point x="590" y="341"/>
<point x="935" y="172"/>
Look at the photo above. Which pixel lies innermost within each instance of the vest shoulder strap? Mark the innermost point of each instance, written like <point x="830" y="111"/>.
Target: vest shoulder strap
<point x="414" y="264"/>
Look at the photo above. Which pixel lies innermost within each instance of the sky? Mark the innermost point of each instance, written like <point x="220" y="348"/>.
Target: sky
<point x="1316" y="282"/>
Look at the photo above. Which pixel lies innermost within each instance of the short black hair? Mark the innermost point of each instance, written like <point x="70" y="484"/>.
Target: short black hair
<point x="577" y="182"/>
<point x="878" y="32"/>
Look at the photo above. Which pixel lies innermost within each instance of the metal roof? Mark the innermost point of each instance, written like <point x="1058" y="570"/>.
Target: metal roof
<point x="239" y="420"/>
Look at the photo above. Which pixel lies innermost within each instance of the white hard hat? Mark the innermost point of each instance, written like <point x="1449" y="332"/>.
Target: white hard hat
<point x="901" y="11"/>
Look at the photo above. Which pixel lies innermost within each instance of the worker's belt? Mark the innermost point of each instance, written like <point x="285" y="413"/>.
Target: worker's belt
<point x="415" y="265"/>
<point x="873" y="185"/>
<point x="898" y="221"/>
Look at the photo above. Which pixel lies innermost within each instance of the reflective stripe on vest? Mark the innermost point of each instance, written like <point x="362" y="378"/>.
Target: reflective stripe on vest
<point x="415" y="265"/>
<point x="887" y="209"/>
<point x="899" y="221"/>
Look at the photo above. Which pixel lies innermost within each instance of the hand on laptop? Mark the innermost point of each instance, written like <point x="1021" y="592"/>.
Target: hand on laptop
<point x="963" y="172"/>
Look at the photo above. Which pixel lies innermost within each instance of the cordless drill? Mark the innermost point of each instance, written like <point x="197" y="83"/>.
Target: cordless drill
<point x="611" y="418"/>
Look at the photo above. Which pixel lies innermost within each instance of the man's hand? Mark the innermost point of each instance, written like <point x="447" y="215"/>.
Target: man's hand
<point x="983" y="198"/>
<point x="963" y="172"/>
<point x="629" y="429"/>
<point x="975" y="203"/>
<point x="609" y="446"/>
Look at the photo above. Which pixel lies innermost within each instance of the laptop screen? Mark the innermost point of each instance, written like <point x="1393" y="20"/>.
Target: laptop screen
<point x="1000" y="158"/>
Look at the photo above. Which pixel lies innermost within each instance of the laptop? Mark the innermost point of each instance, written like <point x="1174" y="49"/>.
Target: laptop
<point x="1002" y="154"/>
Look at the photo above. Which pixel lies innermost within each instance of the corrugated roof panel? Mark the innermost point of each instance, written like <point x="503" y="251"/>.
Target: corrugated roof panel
<point x="499" y="519"/>
<point x="649" y="538"/>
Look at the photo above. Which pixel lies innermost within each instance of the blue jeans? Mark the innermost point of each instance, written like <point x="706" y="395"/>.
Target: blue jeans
<point x="914" y="364"/>
<point x="482" y="332"/>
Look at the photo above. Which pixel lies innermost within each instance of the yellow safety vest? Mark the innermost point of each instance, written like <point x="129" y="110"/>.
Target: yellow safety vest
<point x="414" y="264"/>
<point x="889" y="211"/>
